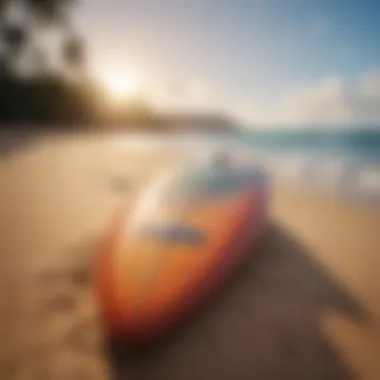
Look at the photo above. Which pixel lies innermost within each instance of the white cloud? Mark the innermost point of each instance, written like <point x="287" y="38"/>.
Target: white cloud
<point x="333" y="102"/>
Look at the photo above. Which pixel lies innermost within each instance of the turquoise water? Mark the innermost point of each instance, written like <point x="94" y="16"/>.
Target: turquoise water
<point x="361" y="146"/>
<point x="348" y="146"/>
<point x="345" y="163"/>
<point x="332" y="162"/>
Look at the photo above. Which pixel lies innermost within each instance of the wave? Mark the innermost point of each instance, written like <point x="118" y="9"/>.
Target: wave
<point x="332" y="170"/>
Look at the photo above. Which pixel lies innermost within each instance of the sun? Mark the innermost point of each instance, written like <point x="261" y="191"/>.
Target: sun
<point x="121" y="84"/>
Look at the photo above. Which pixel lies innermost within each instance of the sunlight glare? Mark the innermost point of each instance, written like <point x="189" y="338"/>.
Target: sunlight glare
<point x="121" y="84"/>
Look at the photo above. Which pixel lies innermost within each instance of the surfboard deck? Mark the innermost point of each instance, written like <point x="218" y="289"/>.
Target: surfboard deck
<point x="170" y="254"/>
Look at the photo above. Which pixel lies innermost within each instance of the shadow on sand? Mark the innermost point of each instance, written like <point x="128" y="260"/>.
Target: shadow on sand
<point x="262" y="325"/>
<point x="12" y="142"/>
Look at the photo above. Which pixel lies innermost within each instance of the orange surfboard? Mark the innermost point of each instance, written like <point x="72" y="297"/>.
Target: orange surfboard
<point x="185" y="235"/>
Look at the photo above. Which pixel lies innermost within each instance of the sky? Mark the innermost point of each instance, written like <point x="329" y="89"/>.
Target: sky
<point x="272" y="62"/>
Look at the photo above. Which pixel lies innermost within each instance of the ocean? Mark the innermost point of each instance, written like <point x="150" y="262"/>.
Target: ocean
<point x="346" y="163"/>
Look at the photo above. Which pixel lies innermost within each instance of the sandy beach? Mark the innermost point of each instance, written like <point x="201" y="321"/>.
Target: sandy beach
<point x="306" y="305"/>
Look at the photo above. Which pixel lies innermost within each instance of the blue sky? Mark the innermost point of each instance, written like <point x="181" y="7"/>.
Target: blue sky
<point x="246" y="50"/>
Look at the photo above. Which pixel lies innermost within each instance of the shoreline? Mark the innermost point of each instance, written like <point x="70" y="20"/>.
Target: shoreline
<point x="341" y="176"/>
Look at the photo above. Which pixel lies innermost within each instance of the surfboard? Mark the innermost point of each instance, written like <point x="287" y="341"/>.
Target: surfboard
<point x="185" y="236"/>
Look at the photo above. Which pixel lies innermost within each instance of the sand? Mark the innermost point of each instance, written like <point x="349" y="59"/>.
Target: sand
<point x="305" y="305"/>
